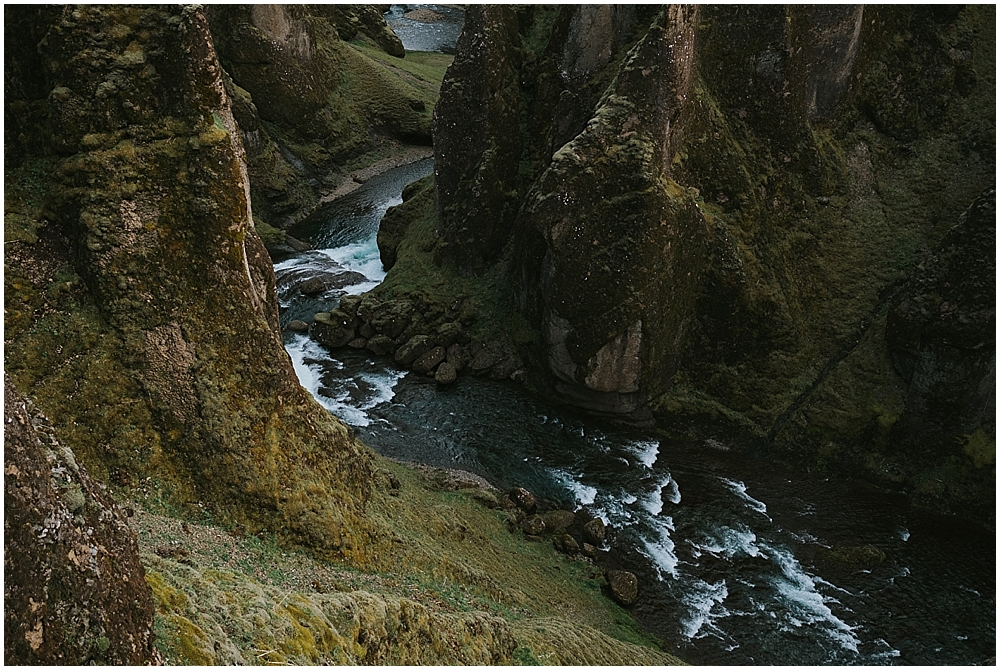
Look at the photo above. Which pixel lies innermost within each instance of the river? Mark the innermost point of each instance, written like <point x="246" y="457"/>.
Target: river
<point x="737" y="558"/>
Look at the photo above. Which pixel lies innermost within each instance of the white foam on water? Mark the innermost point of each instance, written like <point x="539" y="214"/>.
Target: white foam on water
<point x="730" y="543"/>
<point x="653" y="501"/>
<point x="740" y="489"/>
<point x="904" y="535"/>
<point x="628" y="499"/>
<point x="381" y="385"/>
<point x="660" y="547"/>
<point x="704" y="603"/>
<point x="806" y="605"/>
<point x="646" y="451"/>
<point x="360" y="257"/>
<point x="585" y="495"/>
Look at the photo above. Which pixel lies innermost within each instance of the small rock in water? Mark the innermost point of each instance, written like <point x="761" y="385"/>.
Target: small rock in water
<point x="298" y="326"/>
<point x="594" y="532"/>
<point x="312" y="286"/>
<point x="445" y="374"/>
<point x="624" y="586"/>
<point x="357" y="343"/>
<point x="429" y="361"/>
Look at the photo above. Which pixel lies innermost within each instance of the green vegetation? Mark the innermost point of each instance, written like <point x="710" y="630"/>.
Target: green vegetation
<point x="455" y="585"/>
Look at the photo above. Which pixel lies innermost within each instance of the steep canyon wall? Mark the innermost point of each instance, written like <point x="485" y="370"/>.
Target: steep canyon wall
<point x="706" y="213"/>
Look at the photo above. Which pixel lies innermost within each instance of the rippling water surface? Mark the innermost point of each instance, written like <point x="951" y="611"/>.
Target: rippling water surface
<point x="736" y="557"/>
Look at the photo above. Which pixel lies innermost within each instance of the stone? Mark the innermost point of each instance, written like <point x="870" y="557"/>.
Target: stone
<point x="624" y="586"/>
<point x="594" y="532"/>
<point x="456" y="357"/>
<point x="589" y="550"/>
<point x="523" y="499"/>
<point x="313" y="286"/>
<point x="504" y="368"/>
<point x="558" y="520"/>
<point x="429" y="361"/>
<point x="415" y="347"/>
<point x="449" y="333"/>
<point x="357" y="343"/>
<point x="445" y="374"/>
<point x="533" y="525"/>
<point x="74" y="585"/>
<point x="366" y="331"/>
<point x="298" y="326"/>
<point x="569" y="544"/>
<point x="392" y="318"/>
<point x="381" y="345"/>
<point x="332" y="329"/>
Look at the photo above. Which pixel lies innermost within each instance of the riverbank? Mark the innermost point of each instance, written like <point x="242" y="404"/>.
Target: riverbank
<point x="457" y="586"/>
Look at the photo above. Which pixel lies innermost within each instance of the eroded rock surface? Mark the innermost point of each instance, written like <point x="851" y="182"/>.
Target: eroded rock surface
<point x="74" y="588"/>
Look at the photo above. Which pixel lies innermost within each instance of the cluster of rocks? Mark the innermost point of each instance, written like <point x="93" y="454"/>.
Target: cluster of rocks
<point x="433" y="341"/>
<point x="573" y="533"/>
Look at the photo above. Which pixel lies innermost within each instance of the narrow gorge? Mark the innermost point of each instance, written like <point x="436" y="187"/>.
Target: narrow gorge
<point x="579" y="334"/>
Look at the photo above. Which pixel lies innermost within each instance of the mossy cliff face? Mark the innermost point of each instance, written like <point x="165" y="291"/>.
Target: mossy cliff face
<point x="307" y="101"/>
<point x="74" y="589"/>
<point x="476" y="172"/>
<point x="802" y="161"/>
<point x="140" y="304"/>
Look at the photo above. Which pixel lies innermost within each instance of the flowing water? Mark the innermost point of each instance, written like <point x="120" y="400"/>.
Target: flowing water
<point x="426" y="27"/>
<point x="737" y="558"/>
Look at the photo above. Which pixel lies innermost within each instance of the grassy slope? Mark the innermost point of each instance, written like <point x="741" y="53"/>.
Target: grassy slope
<point x="458" y="587"/>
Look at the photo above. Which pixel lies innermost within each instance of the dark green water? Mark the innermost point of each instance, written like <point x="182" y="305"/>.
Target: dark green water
<point x="733" y="554"/>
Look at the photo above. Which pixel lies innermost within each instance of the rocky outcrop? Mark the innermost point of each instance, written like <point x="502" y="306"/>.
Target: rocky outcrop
<point x="941" y="334"/>
<point x="151" y="293"/>
<point x="712" y="206"/>
<point x="475" y="172"/>
<point x="74" y="589"/>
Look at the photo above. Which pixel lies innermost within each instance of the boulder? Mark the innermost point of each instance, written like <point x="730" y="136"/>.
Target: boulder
<point x="569" y="544"/>
<point x="558" y="520"/>
<point x="523" y="500"/>
<point x="332" y="329"/>
<point x="298" y="326"/>
<point x="504" y="368"/>
<point x="415" y="347"/>
<point x="357" y="343"/>
<point x="381" y="345"/>
<point x="457" y="357"/>
<point x="392" y="318"/>
<point x="589" y="550"/>
<point x="624" y="586"/>
<point x="445" y="374"/>
<point x="450" y="333"/>
<point x="594" y="532"/>
<point x="533" y="525"/>
<point x="429" y="361"/>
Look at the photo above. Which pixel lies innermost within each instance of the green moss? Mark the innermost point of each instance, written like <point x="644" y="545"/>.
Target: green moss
<point x="981" y="448"/>
<point x="268" y="234"/>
